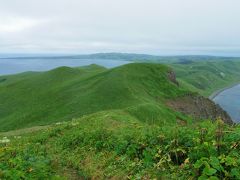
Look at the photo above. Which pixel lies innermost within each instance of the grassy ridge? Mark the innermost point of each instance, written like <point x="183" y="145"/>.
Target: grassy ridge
<point x="28" y="99"/>
<point x="64" y="93"/>
<point x="121" y="127"/>
<point x="40" y="98"/>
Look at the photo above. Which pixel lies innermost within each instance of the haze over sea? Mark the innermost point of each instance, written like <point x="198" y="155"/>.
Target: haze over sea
<point x="12" y="64"/>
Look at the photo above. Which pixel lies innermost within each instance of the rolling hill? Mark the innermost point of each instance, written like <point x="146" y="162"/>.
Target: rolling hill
<point x="207" y="77"/>
<point x="32" y="99"/>
<point x="131" y="122"/>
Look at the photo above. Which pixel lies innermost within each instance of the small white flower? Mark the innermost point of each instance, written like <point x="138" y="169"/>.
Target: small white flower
<point x="17" y="137"/>
<point x="5" y="140"/>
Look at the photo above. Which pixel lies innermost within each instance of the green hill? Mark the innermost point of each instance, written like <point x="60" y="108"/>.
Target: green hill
<point x="64" y="93"/>
<point x="32" y="99"/>
<point x="207" y="77"/>
<point x="131" y="122"/>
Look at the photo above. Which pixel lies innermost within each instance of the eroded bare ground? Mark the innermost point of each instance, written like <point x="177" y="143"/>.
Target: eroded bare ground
<point x="199" y="107"/>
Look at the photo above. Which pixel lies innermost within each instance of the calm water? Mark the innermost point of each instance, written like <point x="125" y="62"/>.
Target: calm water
<point x="229" y="100"/>
<point x="18" y="65"/>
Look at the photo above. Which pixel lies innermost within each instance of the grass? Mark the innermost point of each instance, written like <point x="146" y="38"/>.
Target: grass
<point x="115" y="144"/>
<point x="64" y="93"/>
<point x="207" y="77"/>
<point x="114" y="124"/>
<point x="41" y="98"/>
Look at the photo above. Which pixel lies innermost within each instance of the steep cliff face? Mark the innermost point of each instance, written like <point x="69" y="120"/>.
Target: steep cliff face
<point x="200" y="108"/>
<point x="197" y="106"/>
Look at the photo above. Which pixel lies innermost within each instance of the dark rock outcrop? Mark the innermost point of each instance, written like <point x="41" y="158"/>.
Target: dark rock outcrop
<point x="172" y="77"/>
<point x="200" y="108"/>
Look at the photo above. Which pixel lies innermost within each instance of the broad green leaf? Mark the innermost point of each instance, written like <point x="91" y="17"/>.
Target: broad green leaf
<point x="198" y="164"/>
<point x="209" y="171"/>
<point x="214" y="162"/>
<point x="235" y="172"/>
<point x="213" y="178"/>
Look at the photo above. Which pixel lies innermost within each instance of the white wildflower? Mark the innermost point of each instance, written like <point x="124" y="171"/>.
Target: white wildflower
<point x="17" y="137"/>
<point x="4" y="140"/>
<point x="58" y="123"/>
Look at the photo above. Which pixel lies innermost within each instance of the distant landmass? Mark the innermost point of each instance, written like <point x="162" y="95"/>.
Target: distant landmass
<point x="120" y="56"/>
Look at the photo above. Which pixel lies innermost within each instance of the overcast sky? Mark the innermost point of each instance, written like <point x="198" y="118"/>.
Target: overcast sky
<point x="164" y="27"/>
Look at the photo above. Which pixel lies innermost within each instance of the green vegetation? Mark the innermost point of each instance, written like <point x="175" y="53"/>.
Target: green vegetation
<point x="207" y="77"/>
<point x="92" y="122"/>
<point x="33" y="99"/>
<point x="115" y="144"/>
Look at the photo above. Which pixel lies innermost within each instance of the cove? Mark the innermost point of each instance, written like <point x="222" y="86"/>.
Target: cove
<point x="229" y="100"/>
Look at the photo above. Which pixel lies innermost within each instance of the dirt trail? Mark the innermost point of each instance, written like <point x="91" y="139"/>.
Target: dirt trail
<point x="23" y="131"/>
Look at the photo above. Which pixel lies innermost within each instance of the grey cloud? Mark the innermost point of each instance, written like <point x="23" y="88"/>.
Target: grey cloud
<point x="149" y="26"/>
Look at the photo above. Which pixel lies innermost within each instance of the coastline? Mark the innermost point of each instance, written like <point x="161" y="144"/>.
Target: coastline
<point x="216" y="93"/>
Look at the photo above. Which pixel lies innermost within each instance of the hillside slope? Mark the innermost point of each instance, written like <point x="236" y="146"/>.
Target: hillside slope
<point x="130" y="122"/>
<point x="207" y="77"/>
<point x="64" y="93"/>
<point x="117" y="145"/>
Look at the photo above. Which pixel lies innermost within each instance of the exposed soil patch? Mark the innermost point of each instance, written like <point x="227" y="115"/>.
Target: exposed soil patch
<point x="199" y="107"/>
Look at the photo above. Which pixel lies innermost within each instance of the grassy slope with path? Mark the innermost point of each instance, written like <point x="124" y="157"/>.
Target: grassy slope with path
<point x="131" y="139"/>
<point x="115" y="144"/>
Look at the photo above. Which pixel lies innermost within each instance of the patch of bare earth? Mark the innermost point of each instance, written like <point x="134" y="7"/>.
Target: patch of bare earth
<point x="199" y="107"/>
